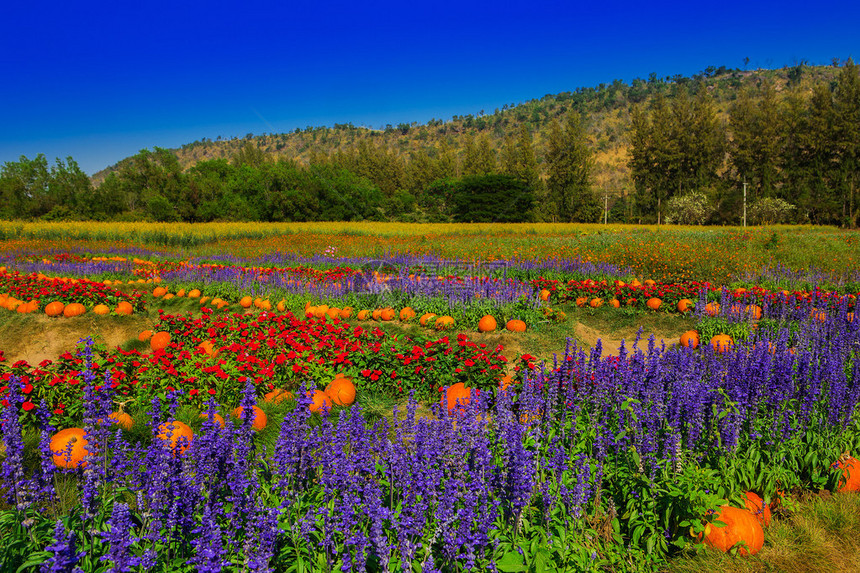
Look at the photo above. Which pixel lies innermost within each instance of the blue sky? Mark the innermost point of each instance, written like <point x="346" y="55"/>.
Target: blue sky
<point x="100" y="81"/>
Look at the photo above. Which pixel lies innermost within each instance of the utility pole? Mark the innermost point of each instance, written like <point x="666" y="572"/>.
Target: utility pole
<point x="745" y="203"/>
<point x="605" y="207"/>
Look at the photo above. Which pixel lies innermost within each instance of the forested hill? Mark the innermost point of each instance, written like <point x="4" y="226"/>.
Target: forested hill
<point x="605" y="109"/>
<point x="675" y="149"/>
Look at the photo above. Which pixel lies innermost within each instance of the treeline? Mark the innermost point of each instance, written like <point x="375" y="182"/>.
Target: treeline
<point x="367" y="183"/>
<point x="797" y="148"/>
<point x="658" y="150"/>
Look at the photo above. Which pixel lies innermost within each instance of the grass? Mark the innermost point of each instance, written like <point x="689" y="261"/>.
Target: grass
<point x="822" y="533"/>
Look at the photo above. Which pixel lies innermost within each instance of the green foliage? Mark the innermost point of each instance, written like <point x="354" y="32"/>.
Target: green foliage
<point x="690" y="209"/>
<point x="770" y="210"/>
<point x="492" y="199"/>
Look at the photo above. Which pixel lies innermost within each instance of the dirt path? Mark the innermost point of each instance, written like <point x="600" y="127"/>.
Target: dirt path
<point x="611" y="346"/>
<point x="39" y="338"/>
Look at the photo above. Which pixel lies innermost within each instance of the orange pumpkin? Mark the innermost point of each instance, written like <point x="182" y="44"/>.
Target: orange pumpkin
<point x="581" y="301"/>
<point x="54" y="308"/>
<point x="685" y="305"/>
<point x="650" y="282"/>
<point x="159" y="291"/>
<point x="119" y="418"/>
<point x="217" y="418"/>
<point x="850" y="480"/>
<point x="635" y="283"/>
<point x="74" y="309"/>
<point x="281" y="306"/>
<point x="194" y="293"/>
<point x="457" y="393"/>
<point x="516" y="325"/>
<point x="425" y="318"/>
<point x="258" y="416"/>
<point x="690" y="339"/>
<point x="277" y="396"/>
<point x="341" y="391"/>
<point x="712" y="308"/>
<point x="145" y="335"/>
<point x="654" y="303"/>
<point x="615" y="303"/>
<point x="124" y="307"/>
<point x="363" y="315"/>
<point x="68" y="448"/>
<point x="444" y="322"/>
<point x="246" y="302"/>
<point x="756" y="505"/>
<point x="101" y="309"/>
<point x="741" y="528"/>
<point x="544" y="294"/>
<point x="345" y="312"/>
<point x="753" y="311"/>
<point x="176" y="435"/>
<point x="319" y="401"/>
<point x="407" y="314"/>
<point x="333" y="313"/>
<point x="722" y="343"/>
<point x="487" y="323"/>
<point x="596" y="303"/>
<point x="387" y="314"/>
<point x="159" y="340"/>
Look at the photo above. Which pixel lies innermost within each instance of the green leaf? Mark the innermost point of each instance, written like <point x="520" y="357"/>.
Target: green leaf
<point x="511" y="562"/>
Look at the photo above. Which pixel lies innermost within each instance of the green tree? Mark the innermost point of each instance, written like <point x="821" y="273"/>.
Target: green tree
<point x="492" y="199"/>
<point x="846" y="107"/>
<point x="568" y="169"/>
<point x="756" y="145"/>
<point x="24" y="188"/>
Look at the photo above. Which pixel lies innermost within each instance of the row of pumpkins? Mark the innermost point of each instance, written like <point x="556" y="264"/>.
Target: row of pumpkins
<point x="68" y="445"/>
<point x="57" y="308"/>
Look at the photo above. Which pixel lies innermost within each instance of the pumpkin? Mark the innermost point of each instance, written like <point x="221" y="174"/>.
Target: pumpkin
<point x="685" y="305"/>
<point x="319" y="400"/>
<point x="756" y="505"/>
<point x="544" y="294"/>
<point x="54" y="308"/>
<point x="333" y="313"/>
<point x="246" y="302"/>
<point x="596" y="303"/>
<point x="407" y="314"/>
<point x="341" y="391"/>
<point x="124" y="307"/>
<point x="457" y="393"/>
<point x="266" y="305"/>
<point x="377" y="314"/>
<point x="68" y="448"/>
<point x="487" y="323"/>
<point x="345" y="312"/>
<point x="74" y="309"/>
<point x="101" y="309"/>
<point x="387" y="314"/>
<point x="363" y="315"/>
<point x="635" y="283"/>
<point x="850" y="480"/>
<point x="690" y="339"/>
<point x="180" y="292"/>
<point x="309" y="311"/>
<point x="176" y="435"/>
<point x="654" y="303"/>
<point x="722" y="343"/>
<point x="159" y="341"/>
<point x="168" y="296"/>
<point x="712" y="308"/>
<point x="650" y="282"/>
<point x="281" y="306"/>
<point x="516" y="325"/>
<point x="581" y="301"/>
<point x="425" y="318"/>
<point x="208" y="348"/>
<point x="119" y="418"/>
<point x="753" y="311"/>
<point x="217" y="418"/>
<point x="259" y="419"/>
<point x="277" y="396"/>
<point x="145" y="335"/>
<point x="615" y="303"/>
<point x="741" y="528"/>
<point x="159" y="291"/>
<point x="24" y="308"/>
<point x="194" y="293"/>
<point x="444" y="322"/>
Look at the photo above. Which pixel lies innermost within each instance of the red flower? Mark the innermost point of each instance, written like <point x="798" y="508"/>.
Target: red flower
<point x="28" y="406"/>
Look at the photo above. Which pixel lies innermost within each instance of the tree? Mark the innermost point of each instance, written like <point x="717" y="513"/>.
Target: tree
<point x="846" y="107"/>
<point x="756" y="147"/>
<point x="568" y="168"/>
<point x="492" y="199"/>
<point x="24" y="188"/>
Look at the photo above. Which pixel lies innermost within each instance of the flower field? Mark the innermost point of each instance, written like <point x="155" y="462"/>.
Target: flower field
<point x="375" y="411"/>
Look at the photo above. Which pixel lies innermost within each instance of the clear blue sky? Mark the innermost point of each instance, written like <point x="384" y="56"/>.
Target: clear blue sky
<point x="100" y="81"/>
